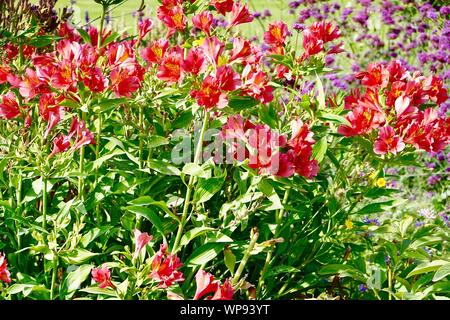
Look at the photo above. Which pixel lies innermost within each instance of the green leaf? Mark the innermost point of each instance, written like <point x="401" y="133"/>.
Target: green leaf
<point x="334" y="118"/>
<point x="427" y="267"/>
<point x="77" y="256"/>
<point x="97" y="290"/>
<point x="156" y="141"/>
<point x="280" y="269"/>
<point x="229" y="259"/>
<point x="42" y="41"/>
<point x="207" y="188"/>
<point x="84" y="35"/>
<point x="183" y="120"/>
<point x="164" y="167"/>
<point x="195" y="170"/>
<point x="108" y="104"/>
<point x="239" y="103"/>
<point x="319" y="149"/>
<point x="193" y="233"/>
<point x="442" y="272"/>
<point x="148" y="214"/>
<point x="75" y="278"/>
<point x="375" y="207"/>
<point x="320" y="93"/>
<point x="204" y="254"/>
<point x="149" y="201"/>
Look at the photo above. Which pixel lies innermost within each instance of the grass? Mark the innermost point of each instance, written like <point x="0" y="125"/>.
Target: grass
<point x="122" y="17"/>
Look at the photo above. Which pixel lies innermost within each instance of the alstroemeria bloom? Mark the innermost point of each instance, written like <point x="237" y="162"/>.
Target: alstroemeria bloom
<point x="203" y="21"/>
<point x="5" y="275"/>
<point x="212" y="48"/>
<point x="84" y="136"/>
<point x="224" y="292"/>
<point x="388" y="141"/>
<point x="194" y="62"/>
<point x="60" y="144"/>
<point x="174" y="18"/>
<point x="31" y="85"/>
<point x="144" y="27"/>
<point x="277" y="33"/>
<point x="170" y="69"/>
<point x="210" y="95"/>
<point x="223" y="6"/>
<point x="9" y="108"/>
<point x="316" y="35"/>
<point x="240" y="15"/>
<point x="141" y="239"/>
<point x="156" y="52"/>
<point x="375" y="76"/>
<point x="241" y="49"/>
<point x="205" y="284"/>
<point x="363" y="120"/>
<point x="255" y="83"/>
<point x="102" y="276"/>
<point x="5" y="71"/>
<point x="164" y="268"/>
<point x="50" y="110"/>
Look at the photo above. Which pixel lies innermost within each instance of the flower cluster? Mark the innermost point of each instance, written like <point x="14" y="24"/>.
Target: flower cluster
<point x="165" y="268"/>
<point x="392" y="105"/>
<point x="267" y="150"/>
<point x="206" y="284"/>
<point x="5" y="276"/>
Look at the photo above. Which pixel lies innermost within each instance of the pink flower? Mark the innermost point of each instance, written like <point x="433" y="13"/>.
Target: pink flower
<point x="170" y="69"/>
<point x="224" y="292"/>
<point x="173" y="17"/>
<point x="277" y="33"/>
<point x="141" y="239"/>
<point x="164" y="268"/>
<point x="60" y="144"/>
<point x="240" y="15"/>
<point x="241" y="49"/>
<point x="156" y="52"/>
<point x="144" y="27"/>
<point x="223" y="6"/>
<point x="388" y="141"/>
<point x="84" y="136"/>
<point x="213" y="48"/>
<point x="194" y="62"/>
<point x="9" y="108"/>
<point x="50" y="110"/>
<point x="5" y="275"/>
<point x="102" y="276"/>
<point x="205" y="284"/>
<point x="203" y="21"/>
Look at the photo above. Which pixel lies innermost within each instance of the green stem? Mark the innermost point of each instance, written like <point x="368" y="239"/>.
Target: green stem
<point x="278" y="218"/>
<point x="44" y="204"/>
<point x="187" y="200"/>
<point x="253" y="238"/>
<point x="102" y="19"/>
<point x="80" y="178"/>
<point x="54" y="273"/>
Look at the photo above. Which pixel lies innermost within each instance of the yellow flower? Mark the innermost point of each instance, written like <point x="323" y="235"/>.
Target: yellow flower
<point x="373" y="175"/>
<point x="381" y="182"/>
<point x="349" y="224"/>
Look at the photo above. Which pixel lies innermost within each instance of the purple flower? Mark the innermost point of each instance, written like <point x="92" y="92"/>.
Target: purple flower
<point x="387" y="259"/>
<point x="373" y="221"/>
<point x="362" y="288"/>
<point x="432" y="180"/>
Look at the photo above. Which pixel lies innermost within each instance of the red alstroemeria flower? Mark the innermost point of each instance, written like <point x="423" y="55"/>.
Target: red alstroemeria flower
<point x="95" y="80"/>
<point x="228" y="80"/>
<point x="212" y="48"/>
<point x="325" y="31"/>
<point x="170" y="69"/>
<point x="210" y="95"/>
<point x="376" y="76"/>
<point x="9" y="108"/>
<point x="224" y="292"/>
<point x="5" y="71"/>
<point x="240" y="15"/>
<point x="50" y="110"/>
<point x="31" y="85"/>
<point x="60" y="144"/>
<point x="5" y="275"/>
<point x="205" y="284"/>
<point x="145" y="26"/>
<point x="255" y="83"/>
<point x="203" y="21"/>
<point x="164" y="268"/>
<point x="66" y="31"/>
<point x="388" y="141"/>
<point x="156" y="52"/>
<point x="141" y="239"/>
<point x="428" y="131"/>
<point x="174" y="18"/>
<point x="223" y="6"/>
<point x="84" y="136"/>
<point x="363" y="120"/>
<point x="434" y="88"/>
<point x="103" y="277"/>
<point x="194" y="62"/>
<point x="126" y="80"/>
<point x="316" y="35"/>
<point x="277" y="33"/>
<point x="242" y="48"/>
<point x="311" y="44"/>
